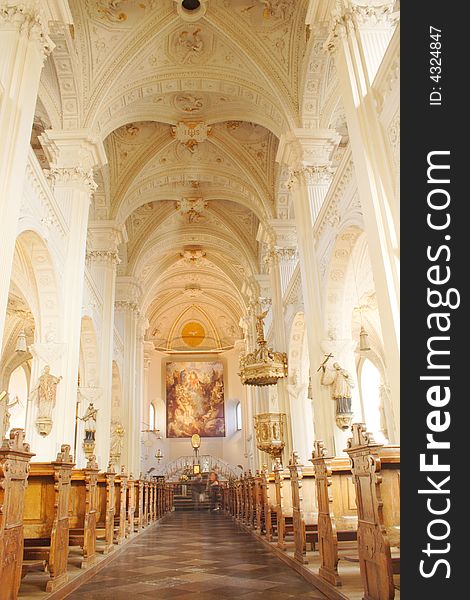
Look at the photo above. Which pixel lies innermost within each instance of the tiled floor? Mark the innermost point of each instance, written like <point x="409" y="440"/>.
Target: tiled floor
<point x="198" y="556"/>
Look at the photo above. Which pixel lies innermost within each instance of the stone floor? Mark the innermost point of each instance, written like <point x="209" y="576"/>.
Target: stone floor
<point x="198" y="556"/>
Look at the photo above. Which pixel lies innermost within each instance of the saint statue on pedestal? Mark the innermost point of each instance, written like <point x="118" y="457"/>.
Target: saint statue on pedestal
<point x="45" y="392"/>
<point x="341" y="383"/>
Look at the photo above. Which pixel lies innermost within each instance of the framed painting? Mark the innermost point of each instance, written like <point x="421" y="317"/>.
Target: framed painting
<point x="195" y="399"/>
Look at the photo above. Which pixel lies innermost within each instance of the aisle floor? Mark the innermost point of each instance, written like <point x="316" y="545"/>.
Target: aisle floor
<point x="196" y="556"/>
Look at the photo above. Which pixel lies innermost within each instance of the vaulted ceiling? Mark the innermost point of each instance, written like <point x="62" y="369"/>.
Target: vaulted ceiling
<point x="190" y="105"/>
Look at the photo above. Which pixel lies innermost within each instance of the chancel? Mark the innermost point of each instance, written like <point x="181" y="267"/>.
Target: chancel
<point x="199" y="298"/>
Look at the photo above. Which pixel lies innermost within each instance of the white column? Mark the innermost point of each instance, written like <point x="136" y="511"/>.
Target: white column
<point x="279" y="339"/>
<point x="358" y="39"/>
<point x="140" y="398"/>
<point x="128" y="292"/>
<point x="72" y="156"/>
<point x="307" y="153"/>
<point x="24" y="44"/>
<point x="149" y="350"/>
<point x="302" y="420"/>
<point x="102" y="260"/>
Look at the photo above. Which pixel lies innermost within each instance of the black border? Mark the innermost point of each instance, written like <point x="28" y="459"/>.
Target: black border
<point x="425" y="128"/>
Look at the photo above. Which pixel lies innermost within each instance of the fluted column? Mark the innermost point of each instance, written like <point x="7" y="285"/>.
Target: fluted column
<point x="72" y="156"/>
<point x="102" y="259"/>
<point x="140" y="398"/>
<point x="128" y="293"/>
<point x="307" y="153"/>
<point x="25" y="44"/>
<point x="359" y="35"/>
<point x="279" y="338"/>
<point x="149" y="350"/>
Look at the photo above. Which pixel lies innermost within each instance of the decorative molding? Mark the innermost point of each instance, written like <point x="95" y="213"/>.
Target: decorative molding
<point x="26" y="16"/>
<point x="348" y="18"/>
<point x="72" y="175"/>
<point x="103" y="257"/>
<point x="126" y="305"/>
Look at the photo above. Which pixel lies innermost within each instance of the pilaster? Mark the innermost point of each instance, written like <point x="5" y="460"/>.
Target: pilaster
<point x="359" y="35"/>
<point x="25" y="44"/>
<point x="72" y="156"/>
<point x="102" y="259"/>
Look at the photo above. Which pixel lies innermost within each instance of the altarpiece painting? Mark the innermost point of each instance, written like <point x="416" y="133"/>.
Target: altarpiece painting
<point x="195" y="399"/>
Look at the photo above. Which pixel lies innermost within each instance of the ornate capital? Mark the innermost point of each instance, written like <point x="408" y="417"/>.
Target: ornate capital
<point x="72" y="175"/>
<point x="312" y="175"/>
<point x="318" y="175"/>
<point x="126" y="305"/>
<point x="27" y="18"/>
<point x="351" y="16"/>
<point x="106" y="257"/>
<point x="287" y="254"/>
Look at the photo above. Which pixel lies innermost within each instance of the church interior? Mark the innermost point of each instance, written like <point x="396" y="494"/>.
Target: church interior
<point x="199" y="299"/>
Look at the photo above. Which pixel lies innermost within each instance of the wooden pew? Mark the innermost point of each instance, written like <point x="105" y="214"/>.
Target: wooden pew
<point x="283" y="508"/>
<point x="376" y="473"/>
<point x="14" y="467"/>
<point x="150" y="501"/>
<point x="304" y="507"/>
<point x="83" y="506"/>
<point x="131" y="497"/>
<point x="250" y="512"/>
<point x="337" y="515"/>
<point x="106" y="508"/>
<point x="160" y="499"/>
<point x="231" y="497"/>
<point x="268" y="498"/>
<point x="146" y="511"/>
<point x="120" y="513"/>
<point x="239" y="498"/>
<point x="154" y="499"/>
<point x="46" y="515"/>
<point x="258" y="503"/>
<point x="139" y="504"/>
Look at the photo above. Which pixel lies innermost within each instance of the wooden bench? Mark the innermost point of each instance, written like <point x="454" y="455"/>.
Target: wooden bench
<point x="268" y="499"/>
<point x="376" y="471"/>
<point x="239" y="498"/>
<point x="46" y="516"/>
<point x="283" y="507"/>
<point x="337" y="515"/>
<point x="131" y="497"/>
<point x="120" y="501"/>
<point x="304" y="507"/>
<point x="106" y="509"/>
<point x="83" y="506"/>
<point x="139" y="504"/>
<point x="258" y="503"/>
<point x="250" y="500"/>
<point x="146" y="509"/>
<point x="14" y="467"/>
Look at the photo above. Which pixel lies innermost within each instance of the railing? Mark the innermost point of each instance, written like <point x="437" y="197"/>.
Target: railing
<point x="184" y="464"/>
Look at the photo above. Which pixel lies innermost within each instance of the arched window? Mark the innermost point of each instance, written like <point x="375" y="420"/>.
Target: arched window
<point x="152" y="424"/>
<point x="371" y="400"/>
<point x="238" y="415"/>
<point x="18" y="396"/>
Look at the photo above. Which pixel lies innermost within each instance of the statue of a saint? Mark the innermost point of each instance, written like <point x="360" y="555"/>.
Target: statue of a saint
<point x="342" y="383"/>
<point x="89" y="418"/>
<point x="4" y="399"/>
<point x="260" y="327"/>
<point x="117" y="441"/>
<point x="45" y="393"/>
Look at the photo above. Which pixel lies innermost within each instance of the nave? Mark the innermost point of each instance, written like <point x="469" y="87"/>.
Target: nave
<point x="196" y="556"/>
